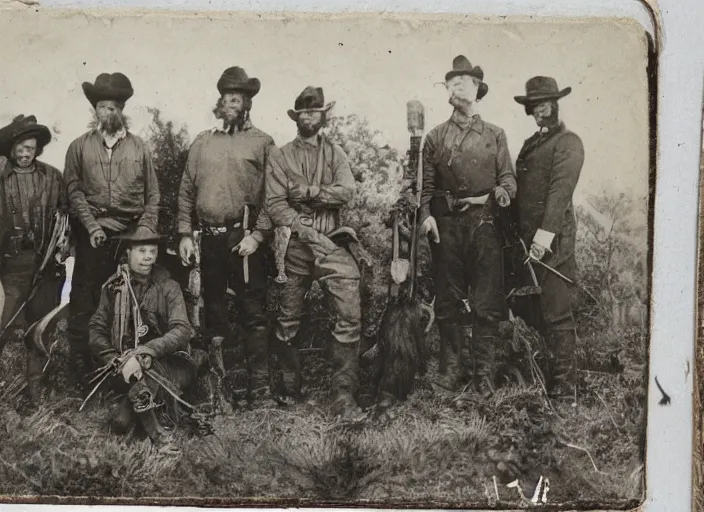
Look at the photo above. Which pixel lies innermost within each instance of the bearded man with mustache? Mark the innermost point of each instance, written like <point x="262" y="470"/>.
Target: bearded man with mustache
<point x="467" y="170"/>
<point x="308" y="181"/>
<point x="223" y="182"/>
<point x="548" y="167"/>
<point x="112" y="187"/>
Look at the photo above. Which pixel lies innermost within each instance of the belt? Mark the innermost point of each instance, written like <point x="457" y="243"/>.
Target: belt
<point x="217" y="230"/>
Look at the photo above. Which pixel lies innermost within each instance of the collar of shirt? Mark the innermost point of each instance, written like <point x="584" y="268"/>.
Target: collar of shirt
<point x="221" y="128"/>
<point x="312" y="141"/>
<point x="111" y="140"/>
<point x="473" y="122"/>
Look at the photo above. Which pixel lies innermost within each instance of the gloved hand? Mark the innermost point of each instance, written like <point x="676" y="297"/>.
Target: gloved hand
<point x="431" y="226"/>
<point x="144" y="355"/>
<point x="130" y="369"/>
<point x="537" y="251"/>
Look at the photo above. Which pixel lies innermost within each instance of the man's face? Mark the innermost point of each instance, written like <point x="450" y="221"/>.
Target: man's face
<point x="24" y="152"/>
<point x="141" y="258"/>
<point x="109" y="116"/>
<point x="232" y="106"/>
<point x="543" y="113"/>
<point x="309" y="123"/>
<point x="462" y="89"/>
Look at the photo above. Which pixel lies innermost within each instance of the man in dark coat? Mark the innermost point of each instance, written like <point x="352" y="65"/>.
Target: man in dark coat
<point x="223" y="190"/>
<point x="308" y="180"/>
<point x="112" y="187"/>
<point x="141" y="331"/>
<point x="467" y="171"/>
<point x="548" y="169"/>
<point x="32" y="199"/>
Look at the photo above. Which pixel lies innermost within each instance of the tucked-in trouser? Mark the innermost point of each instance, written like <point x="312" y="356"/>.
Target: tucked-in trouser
<point x="220" y="267"/>
<point x="17" y="276"/>
<point x="467" y="263"/>
<point x="339" y="277"/>
<point x="92" y="268"/>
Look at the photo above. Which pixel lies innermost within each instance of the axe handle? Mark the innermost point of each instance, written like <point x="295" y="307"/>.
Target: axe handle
<point x="245" y="259"/>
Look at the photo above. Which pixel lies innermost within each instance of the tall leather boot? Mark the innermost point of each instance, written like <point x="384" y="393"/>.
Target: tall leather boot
<point x="256" y="346"/>
<point x="451" y="335"/>
<point x="563" y="368"/>
<point x="485" y="340"/>
<point x="345" y="379"/>
<point x="160" y="437"/>
<point x="288" y="369"/>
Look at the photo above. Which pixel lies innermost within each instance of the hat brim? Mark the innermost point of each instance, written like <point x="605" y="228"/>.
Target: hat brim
<point x="525" y="100"/>
<point x="34" y="131"/>
<point x="293" y="113"/>
<point x="251" y="87"/>
<point x="95" y="95"/>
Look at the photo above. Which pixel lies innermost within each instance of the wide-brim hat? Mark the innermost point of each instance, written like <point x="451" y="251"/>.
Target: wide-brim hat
<point x="462" y="66"/>
<point x="22" y="128"/>
<point x="235" y="79"/>
<point x="311" y="99"/>
<point x="140" y="235"/>
<point x="541" y="88"/>
<point x="115" y="87"/>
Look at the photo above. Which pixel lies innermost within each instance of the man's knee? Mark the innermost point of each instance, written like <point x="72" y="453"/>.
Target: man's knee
<point x="123" y="417"/>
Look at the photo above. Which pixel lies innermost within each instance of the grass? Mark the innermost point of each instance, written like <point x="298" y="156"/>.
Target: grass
<point x="437" y="448"/>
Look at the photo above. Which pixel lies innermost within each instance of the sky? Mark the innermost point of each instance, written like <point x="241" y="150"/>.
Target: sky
<point x="370" y="65"/>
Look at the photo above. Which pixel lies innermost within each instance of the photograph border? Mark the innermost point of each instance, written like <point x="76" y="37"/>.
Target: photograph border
<point x="668" y="454"/>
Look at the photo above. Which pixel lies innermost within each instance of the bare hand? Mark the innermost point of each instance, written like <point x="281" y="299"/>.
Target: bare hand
<point x="430" y="226"/>
<point x="502" y="197"/>
<point x="186" y="250"/>
<point x="247" y="246"/>
<point x="537" y="251"/>
<point x="97" y="238"/>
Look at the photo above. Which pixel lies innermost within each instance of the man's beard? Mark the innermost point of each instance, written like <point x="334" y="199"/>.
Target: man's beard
<point x="550" y="120"/>
<point x="231" y="121"/>
<point x="112" y="123"/>
<point x="462" y="104"/>
<point x="308" y="130"/>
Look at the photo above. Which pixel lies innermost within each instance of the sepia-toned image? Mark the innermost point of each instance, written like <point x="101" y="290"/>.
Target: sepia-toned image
<point x="375" y="260"/>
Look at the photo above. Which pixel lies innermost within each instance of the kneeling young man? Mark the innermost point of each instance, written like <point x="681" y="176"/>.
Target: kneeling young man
<point x="141" y="332"/>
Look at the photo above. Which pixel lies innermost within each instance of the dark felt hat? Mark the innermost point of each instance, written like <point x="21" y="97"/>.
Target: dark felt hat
<point x="311" y="99"/>
<point x="542" y="88"/>
<point x="140" y="235"/>
<point x="22" y="128"/>
<point x="235" y="79"/>
<point x="115" y="87"/>
<point x="462" y="66"/>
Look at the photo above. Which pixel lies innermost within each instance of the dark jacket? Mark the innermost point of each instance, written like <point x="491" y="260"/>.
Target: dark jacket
<point x="123" y="187"/>
<point x="52" y="199"/>
<point x="548" y="169"/>
<point x="163" y="310"/>
<point x="313" y="180"/>
<point x="465" y="161"/>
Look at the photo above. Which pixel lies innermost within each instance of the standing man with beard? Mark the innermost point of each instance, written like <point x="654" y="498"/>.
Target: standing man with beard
<point x="112" y="187"/>
<point x="308" y="181"/>
<point x="548" y="167"/>
<point x="466" y="168"/>
<point x="223" y="188"/>
<point x="31" y="194"/>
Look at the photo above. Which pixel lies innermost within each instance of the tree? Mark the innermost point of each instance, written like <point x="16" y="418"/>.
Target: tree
<point x="169" y="147"/>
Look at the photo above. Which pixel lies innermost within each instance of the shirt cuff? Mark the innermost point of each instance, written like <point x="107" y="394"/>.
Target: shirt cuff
<point x="543" y="238"/>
